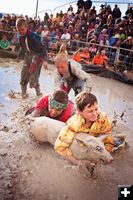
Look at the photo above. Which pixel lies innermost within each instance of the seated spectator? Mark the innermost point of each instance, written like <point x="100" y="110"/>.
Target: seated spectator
<point x="85" y="56"/>
<point x="90" y="30"/>
<point x="63" y="49"/>
<point x="104" y="41"/>
<point x="77" y="55"/>
<point x="94" y="39"/>
<point x="15" y="42"/>
<point x="4" y="25"/>
<point x="66" y="36"/>
<point x="103" y="35"/>
<point x="4" y="43"/>
<point x="39" y="30"/>
<point x="100" y="59"/>
<point x="92" y="50"/>
<point x="45" y="36"/>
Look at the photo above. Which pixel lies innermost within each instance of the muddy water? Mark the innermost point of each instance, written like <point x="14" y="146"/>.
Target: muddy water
<point x="115" y="98"/>
<point x="33" y="171"/>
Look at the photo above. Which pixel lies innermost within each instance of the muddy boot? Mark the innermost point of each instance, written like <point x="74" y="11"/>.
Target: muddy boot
<point x="38" y="92"/>
<point x="24" y="94"/>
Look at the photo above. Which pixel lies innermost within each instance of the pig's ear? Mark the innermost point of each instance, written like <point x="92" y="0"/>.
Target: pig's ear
<point x="81" y="142"/>
<point x="102" y="137"/>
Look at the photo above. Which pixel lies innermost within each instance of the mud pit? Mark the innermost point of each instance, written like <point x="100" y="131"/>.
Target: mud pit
<point x="33" y="171"/>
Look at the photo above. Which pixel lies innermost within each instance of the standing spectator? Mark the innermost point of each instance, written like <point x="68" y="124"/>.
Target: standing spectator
<point x="116" y="12"/>
<point x="88" y="4"/>
<point x="46" y="17"/>
<point x="80" y="5"/>
<point x="34" y="53"/>
<point x="70" y="9"/>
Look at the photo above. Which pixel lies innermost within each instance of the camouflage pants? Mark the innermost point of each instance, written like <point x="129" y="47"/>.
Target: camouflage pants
<point x="26" y="76"/>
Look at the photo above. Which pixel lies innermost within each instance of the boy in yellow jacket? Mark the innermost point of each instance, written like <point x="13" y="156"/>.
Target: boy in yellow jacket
<point x="88" y="119"/>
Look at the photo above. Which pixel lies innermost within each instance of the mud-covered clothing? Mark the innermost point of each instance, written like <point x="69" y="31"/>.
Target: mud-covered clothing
<point x="31" y="42"/>
<point x="74" y="79"/>
<point x="42" y="110"/>
<point x="29" y="75"/>
<point x="34" y="54"/>
<point x="77" y="124"/>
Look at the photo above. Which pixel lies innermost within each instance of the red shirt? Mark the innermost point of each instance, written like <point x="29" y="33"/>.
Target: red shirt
<point x="42" y="106"/>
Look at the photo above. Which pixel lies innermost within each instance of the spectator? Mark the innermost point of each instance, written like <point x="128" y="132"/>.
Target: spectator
<point x="80" y="5"/>
<point x="100" y="59"/>
<point x="70" y="9"/>
<point x="85" y="56"/>
<point x="46" y="17"/>
<point x="87" y="5"/>
<point x="92" y="50"/>
<point x="66" y="36"/>
<point x="77" y="55"/>
<point x="4" y="43"/>
<point x="116" y="12"/>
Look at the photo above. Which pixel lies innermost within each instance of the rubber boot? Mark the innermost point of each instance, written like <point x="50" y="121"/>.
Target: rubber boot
<point x="24" y="94"/>
<point x="38" y="92"/>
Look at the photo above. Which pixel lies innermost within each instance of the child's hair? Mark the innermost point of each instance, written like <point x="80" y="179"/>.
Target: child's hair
<point x="83" y="99"/>
<point x="61" y="57"/>
<point x="21" y="22"/>
<point x="60" y="96"/>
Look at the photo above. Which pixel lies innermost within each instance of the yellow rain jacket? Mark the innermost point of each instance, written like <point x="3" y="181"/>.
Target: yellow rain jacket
<point x="77" y="124"/>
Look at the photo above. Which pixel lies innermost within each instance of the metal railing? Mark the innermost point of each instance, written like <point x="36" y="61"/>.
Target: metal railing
<point x="105" y="2"/>
<point x="118" y="57"/>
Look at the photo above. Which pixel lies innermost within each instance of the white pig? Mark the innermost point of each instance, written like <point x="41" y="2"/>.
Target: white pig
<point x="84" y="146"/>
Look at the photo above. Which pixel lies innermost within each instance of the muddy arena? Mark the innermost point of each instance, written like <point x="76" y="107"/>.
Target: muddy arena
<point x="31" y="171"/>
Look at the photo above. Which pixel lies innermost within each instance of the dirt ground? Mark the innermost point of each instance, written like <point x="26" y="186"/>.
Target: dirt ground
<point x="34" y="171"/>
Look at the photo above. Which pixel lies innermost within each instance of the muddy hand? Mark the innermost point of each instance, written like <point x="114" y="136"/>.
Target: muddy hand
<point x="87" y="169"/>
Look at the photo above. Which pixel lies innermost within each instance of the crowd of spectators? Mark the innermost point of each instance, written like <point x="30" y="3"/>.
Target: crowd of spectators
<point x="104" y="28"/>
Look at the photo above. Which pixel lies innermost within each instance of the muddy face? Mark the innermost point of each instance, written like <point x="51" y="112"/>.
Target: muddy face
<point x="90" y="148"/>
<point x="96" y="151"/>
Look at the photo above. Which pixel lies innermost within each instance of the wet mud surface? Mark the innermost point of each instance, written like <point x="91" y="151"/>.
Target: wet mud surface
<point x="34" y="171"/>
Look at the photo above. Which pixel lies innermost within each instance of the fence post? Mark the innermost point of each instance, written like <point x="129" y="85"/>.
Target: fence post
<point x="117" y="55"/>
<point x="36" y="8"/>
